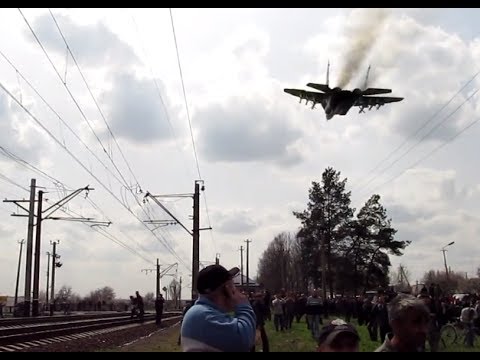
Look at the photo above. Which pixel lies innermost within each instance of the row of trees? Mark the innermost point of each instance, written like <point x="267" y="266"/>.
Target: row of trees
<point x="105" y="298"/>
<point x="455" y="281"/>
<point x="100" y="299"/>
<point x="356" y="247"/>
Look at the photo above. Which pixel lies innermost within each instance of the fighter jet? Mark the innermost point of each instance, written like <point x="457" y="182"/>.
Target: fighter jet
<point x="338" y="102"/>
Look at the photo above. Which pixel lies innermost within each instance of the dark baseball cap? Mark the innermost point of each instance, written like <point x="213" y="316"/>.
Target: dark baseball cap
<point x="213" y="276"/>
<point x="334" y="328"/>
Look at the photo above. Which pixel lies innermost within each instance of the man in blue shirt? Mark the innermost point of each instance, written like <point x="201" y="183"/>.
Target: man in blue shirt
<point x="208" y="326"/>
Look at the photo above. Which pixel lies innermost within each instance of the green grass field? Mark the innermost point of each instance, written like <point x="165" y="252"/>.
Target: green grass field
<point x="298" y="339"/>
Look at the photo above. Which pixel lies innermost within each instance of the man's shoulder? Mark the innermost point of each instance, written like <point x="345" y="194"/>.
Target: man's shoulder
<point x="200" y="311"/>
<point x="197" y="309"/>
<point x="386" y="346"/>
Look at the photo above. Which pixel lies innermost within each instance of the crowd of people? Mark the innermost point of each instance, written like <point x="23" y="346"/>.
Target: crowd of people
<point x="223" y="318"/>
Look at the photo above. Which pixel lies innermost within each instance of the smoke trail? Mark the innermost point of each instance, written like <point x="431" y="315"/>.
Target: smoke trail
<point x="361" y="38"/>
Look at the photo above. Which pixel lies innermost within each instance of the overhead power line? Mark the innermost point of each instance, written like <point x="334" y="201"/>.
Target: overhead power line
<point x="158" y="92"/>
<point x="189" y="120"/>
<point x="68" y="211"/>
<point x="39" y="123"/>
<point x="101" y="144"/>
<point x="185" y="95"/>
<point x="73" y="132"/>
<point x="93" y="97"/>
<point x="73" y="99"/>
<point x="464" y="129"/>
<point x="12" y="182"/>
<point x="425" y="123"/>
<point x="424" y="137"/>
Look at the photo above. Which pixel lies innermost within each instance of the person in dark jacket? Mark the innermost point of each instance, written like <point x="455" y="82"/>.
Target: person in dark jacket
<point x="300" y="305"/>
<point x="159" y="309"/>
<point x="380" y="316"/>
<point x="140" y="306"/>
<point x="431" y="291"/>
<point x="268" y="303"/>
<point x="261" y="314"/>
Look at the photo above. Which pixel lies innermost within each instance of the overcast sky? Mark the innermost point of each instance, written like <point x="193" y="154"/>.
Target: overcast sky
<point x="258" y="148"/>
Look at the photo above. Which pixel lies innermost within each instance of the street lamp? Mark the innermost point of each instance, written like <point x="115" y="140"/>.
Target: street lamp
<point x="445" y="259"/>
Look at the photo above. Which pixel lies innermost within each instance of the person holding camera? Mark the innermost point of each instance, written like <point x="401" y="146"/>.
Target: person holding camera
<point x="208" y="324"/>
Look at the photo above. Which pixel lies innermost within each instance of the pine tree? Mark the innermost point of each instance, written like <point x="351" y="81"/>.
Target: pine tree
<point x="328" y="212"/>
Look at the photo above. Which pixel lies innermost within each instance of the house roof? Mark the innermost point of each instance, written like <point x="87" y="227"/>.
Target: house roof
<point x="237" y="280"/>
<point x="10" y="300"/>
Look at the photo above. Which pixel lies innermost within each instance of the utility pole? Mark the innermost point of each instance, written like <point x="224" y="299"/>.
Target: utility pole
<point x="196" y="238"/>
<point x="195" y="233"/>
<point x="28" y="270"/>
<point x="217" y="259"/>
<point x="180" y="292"/>
<point x="248" y="279"/>
<point x="157" y="290"/>
<point x="158" y="308"/>
<point x="159" y="275"/>
<point x="48" y="279"/>
<point x="54" y="263"/>
<point x="36" y="264"/>
<point x="40" y="217"/>
<point x="445" y="260"/>
<point x="18" y="271"/>
<point x="241" y="264"/>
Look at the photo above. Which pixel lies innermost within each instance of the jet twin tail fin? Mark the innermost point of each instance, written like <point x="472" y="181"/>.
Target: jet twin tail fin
<point x="321" y="87"/>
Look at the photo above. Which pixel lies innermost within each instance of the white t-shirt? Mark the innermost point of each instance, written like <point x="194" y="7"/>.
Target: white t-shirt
<point x="467" y="315"/>
<point x="277" y="307"/>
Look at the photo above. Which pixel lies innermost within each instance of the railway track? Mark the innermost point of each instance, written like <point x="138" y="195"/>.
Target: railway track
<point x="5" y="322"/>
<point x="19" y="334"/>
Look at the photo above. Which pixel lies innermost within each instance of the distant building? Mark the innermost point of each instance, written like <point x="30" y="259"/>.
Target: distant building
<point x="8" y="303"/>
<point x="252" y="284"/>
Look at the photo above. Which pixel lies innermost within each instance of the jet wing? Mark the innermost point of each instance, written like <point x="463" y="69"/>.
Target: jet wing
<point x="365" y="101"/>
<point x="376" y="91"/>
<point x="308" y="95"/>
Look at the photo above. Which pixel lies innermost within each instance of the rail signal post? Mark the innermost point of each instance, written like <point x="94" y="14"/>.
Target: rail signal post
<point x="54" y="265"/>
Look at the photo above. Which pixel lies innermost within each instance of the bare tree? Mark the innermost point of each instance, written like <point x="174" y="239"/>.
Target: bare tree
<point x="103" y="296"/>
<point x="454" y="282"/>
<point x="280" y="264"/>
<point x="64" y="294"/>
<point x="149" y="300"/>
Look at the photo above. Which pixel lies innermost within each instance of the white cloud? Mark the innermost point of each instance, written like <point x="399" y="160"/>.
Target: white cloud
<point x="137" y="111"/>
<point x="102" y="48"/>
<point x="238" y="222"/>
<point x="232" y="133"/>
